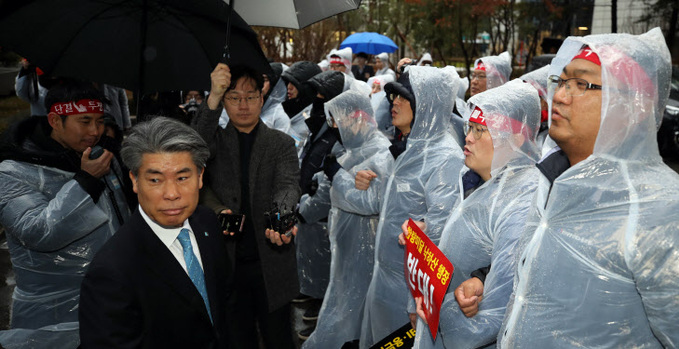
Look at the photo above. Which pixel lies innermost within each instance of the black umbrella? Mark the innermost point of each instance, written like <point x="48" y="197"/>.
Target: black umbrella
<point x="142" y="45"/>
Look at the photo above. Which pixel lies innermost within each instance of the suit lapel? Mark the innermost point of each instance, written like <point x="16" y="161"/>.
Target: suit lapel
<point x="164" y="265"/>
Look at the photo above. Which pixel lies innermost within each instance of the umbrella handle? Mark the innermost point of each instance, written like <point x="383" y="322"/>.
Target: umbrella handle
<point x="226" y="55"/>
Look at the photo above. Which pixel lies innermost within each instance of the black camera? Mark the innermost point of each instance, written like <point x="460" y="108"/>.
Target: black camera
<point x="96" y="152"/>
<point x="232" y="223"/>
<point x="191" y="108"/>
<point x="280" y="222"/>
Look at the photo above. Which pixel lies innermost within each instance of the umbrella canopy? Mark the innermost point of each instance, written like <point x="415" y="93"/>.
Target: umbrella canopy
<point x="143" y="45"/>
<point x="369" y="42"/>
<point x="294" y="14"/>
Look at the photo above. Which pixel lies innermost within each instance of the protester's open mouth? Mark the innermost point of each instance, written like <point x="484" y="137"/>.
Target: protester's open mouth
<point x="467" y="152"/>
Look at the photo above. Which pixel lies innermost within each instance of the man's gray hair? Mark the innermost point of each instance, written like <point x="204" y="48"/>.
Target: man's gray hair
<point x="162" y="135"/>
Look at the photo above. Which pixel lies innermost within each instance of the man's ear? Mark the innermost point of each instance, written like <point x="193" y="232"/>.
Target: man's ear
<point x="517" y="140"/>
<point x="133" y="179"/>
<point x="200" y="178"/>
<point x="55" y="120"/>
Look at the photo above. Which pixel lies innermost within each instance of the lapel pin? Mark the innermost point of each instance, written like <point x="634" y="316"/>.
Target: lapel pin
<point x="205" y="233"/>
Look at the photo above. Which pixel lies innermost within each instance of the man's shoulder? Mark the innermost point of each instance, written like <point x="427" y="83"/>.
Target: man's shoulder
<point x="275" y="137"/>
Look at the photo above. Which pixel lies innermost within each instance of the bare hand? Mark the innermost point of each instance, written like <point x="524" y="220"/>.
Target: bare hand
<point x="363" y="179"/>
<point x="420" y="310"/>
<point x="413" y="320"/>
<point x="404" y="229"/>
<point x="98" y="167"/>
<point x="280" y="239"/>
<point x="403" y="61"/>
<point x="468" y="296"/>
<point x="221" y="80"/>
<point x="229" y="233"/>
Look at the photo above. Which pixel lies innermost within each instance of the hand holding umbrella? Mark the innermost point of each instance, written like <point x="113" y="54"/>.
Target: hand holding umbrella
<point x="221" y="79"/>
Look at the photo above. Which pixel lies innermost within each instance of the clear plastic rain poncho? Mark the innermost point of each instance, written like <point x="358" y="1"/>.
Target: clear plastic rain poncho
<point x="498" y="69"/>
<point x="538" y="79"/>
<point x="273" y="114"/>
<point x="423" y="186"/>
<point x="53" y="231"/>
<point x="380" y="105"/>
<point x="599" y="268"/>
<point x="353" y="220"/>
<point x="484" y="228"/>
<point x="313" y="242"/>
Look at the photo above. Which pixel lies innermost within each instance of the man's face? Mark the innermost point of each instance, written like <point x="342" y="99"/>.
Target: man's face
<point x="292" y="91"/>
<point x="195" y="95"/>
<point x="167" y="187"/>
<point x="402" y="114"/>
<point x="478" y="152"/>
<point x="576" y="120"/>
<point x="478" y="83"/>
<point x="378" y="64"/>
<point x="338" y="67"/>
<point x="361" y="61"/>
<point x="78" y="131"/>
<point x="244" y="104"/>
<point x="267" y="84"/>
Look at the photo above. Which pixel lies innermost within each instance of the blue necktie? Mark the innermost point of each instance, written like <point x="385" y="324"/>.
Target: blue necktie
<point x="193" y="267"/>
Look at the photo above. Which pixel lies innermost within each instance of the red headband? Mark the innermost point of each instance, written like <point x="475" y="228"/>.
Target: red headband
<point x="587" y="54"/>
<point x="477" y="117"/>
<point x="480" y="66"/>
<point x="336" y="60"/>
<point x="82" y="106"/>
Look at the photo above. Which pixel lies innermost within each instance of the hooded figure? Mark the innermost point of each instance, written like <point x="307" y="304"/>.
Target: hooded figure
<point x="423" y="186"/>
<point x="425" y="60"/>
<point x="385" y="70"/>
<point x="484" y="228"/>
<point x="353" y="220"/>
<point x="598" y="262"/>
<point x="498" y="69"/>
<point x="380" y="104"/>
<point x="342" y="57"/>
<point x="313" y="244"/>
<point x="298" y="108"/>
<point x="538" y="79"/>
<point x="273" y="113"/>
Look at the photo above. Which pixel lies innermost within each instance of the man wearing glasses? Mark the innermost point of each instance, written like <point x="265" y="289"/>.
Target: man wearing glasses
<point x="490" y="72"/>
<point x="253" y="169"/>
<point x="598" y="261"/>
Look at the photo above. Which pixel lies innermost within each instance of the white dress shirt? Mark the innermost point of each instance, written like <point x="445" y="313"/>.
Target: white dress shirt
<point x="169" y="238"/>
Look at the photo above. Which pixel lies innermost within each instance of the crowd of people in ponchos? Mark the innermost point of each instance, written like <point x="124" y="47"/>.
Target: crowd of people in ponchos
<point x="546" y="192"/>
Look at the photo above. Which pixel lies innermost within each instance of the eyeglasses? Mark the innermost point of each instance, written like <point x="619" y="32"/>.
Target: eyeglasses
<point x="235" y="101"/>
<point x="475" y="128"/>
<point x="574" y="86"/>
<point x="478" y="76"/>
<point x="393" y="97"/>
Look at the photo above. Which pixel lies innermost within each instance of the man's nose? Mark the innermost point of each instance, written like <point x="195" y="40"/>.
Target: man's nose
<point x="469" y="137"/>
<point x="171" y="191"/>
<point x="96" y="129"/>
<point x="560" y="95"/>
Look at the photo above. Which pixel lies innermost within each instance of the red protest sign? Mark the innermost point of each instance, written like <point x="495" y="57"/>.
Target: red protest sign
<point x="428" y="272"/>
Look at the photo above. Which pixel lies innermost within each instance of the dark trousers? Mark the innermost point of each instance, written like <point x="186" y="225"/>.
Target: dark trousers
<point x="251" y="309"/>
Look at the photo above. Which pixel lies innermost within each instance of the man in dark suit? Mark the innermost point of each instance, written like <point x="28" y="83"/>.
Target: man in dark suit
<point x="253" y="170"/>
<point x="163" y="279"/>
<point x="362" y="71"/>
